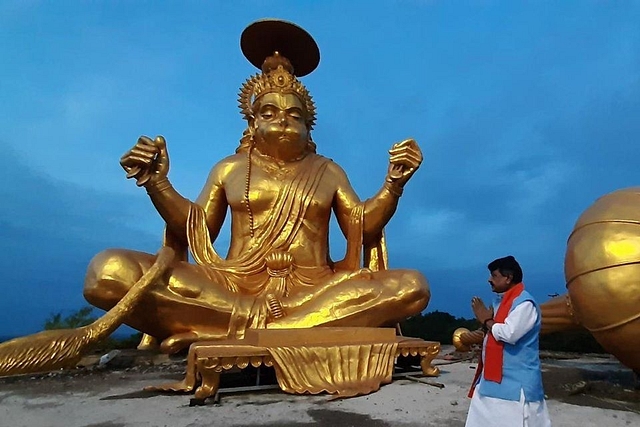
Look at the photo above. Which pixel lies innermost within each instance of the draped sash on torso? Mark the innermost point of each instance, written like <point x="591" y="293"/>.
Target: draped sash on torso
<point x="246" y="273"/>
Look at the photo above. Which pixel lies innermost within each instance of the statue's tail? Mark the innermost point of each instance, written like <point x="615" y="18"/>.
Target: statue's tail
<point x="63" y="348"/>
<point x="463" y="338"/>
<point x="558" y="315"/>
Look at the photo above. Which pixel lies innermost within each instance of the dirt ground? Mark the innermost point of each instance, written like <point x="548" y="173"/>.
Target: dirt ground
<point x="586" y="380"/>
<point x="582" y="391"/>
<point x="601" y="382"/>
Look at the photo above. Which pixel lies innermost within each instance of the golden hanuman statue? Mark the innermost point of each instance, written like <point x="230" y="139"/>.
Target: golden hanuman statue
<point x="280" y="194"/>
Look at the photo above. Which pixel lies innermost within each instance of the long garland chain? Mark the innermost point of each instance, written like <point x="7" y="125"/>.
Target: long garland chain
<point x="246" y="191"/>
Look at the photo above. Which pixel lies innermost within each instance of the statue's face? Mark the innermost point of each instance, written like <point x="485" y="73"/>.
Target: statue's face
<point x="280" y="123"/>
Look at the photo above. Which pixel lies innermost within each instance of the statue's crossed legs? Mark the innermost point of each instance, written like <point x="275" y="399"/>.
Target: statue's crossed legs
<point x="190" y="307"/>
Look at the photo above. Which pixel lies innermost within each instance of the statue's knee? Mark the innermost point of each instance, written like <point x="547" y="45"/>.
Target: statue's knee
<point x="109" y="275"/>
<point x="416" y="288"/>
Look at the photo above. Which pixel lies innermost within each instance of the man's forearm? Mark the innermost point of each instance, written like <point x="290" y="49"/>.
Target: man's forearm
<point x="520" y="321"/>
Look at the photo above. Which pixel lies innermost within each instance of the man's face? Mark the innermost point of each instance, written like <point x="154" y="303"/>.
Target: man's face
<point x="280" y="120"/>
<point x="498" y="282"/>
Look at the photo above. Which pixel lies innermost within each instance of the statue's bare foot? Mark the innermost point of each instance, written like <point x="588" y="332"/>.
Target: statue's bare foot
<point x="148" y="343"/>
<point x="292" y="302"/>
<point x="363" y="273"/>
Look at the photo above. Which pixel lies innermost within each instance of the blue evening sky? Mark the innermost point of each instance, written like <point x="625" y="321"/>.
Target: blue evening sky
<point x="526" y="113"/>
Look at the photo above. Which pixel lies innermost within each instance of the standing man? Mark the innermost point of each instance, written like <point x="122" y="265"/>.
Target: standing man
<point x="507" y="390"/>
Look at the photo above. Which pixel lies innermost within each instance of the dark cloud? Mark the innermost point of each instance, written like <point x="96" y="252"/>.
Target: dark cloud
<point x="452" y="289"/>
<point x="50" y="231"/>
<point x="526" y="114"/>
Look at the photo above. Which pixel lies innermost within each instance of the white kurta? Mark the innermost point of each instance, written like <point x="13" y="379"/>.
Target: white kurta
<point x="490" y="411"/>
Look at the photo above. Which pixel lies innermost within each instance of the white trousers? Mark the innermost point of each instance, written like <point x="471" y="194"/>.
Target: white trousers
<point x="488" y="411"/>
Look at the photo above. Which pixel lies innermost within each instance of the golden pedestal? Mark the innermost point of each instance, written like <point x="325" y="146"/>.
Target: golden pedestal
<point x="342" y="361"/>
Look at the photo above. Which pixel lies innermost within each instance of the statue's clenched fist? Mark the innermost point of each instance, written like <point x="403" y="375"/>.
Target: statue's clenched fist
<point x="404" y="159"/>
<point x="147" y="161"/>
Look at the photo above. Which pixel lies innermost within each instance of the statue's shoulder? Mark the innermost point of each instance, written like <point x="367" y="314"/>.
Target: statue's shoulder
<point x="222" y="170"/>
<point x="332" y="167"/>
<point x="231" y="162"/>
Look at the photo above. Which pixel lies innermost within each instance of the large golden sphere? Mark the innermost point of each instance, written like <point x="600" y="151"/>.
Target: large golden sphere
<point x="602" y="271"/>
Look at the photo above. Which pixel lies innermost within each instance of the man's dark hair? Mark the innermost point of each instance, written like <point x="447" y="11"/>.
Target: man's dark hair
<point x="507" y="266"/>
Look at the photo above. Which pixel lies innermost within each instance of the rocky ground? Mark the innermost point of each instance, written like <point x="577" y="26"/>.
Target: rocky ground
<point x="591" y="380"/>
<point x="582" y="391"/>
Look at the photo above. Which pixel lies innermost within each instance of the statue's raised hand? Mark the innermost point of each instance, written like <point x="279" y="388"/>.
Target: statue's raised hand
<point x="404" y="159"/>
<point x="147" y="161"/>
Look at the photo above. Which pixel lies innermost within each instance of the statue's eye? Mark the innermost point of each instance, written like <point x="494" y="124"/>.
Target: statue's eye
<point x="295" y="114"/>
<point x="267" y="113"/>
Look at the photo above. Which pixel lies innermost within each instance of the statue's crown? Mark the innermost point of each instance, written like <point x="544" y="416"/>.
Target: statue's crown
<point x="283" y="44"/>
<point x="277" y="76"/>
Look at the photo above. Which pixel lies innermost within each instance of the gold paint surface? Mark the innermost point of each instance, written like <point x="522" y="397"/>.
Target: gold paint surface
<point x="345" y="370"/>
<point x="317" y="336"/>
<point x="63" y="348"/>
<point x="278" y="273"/>
<point x="352" y="367"/>
<point x="280" y="195"/>
<point x="463" y="338"/>
<point x="602" y="269"/>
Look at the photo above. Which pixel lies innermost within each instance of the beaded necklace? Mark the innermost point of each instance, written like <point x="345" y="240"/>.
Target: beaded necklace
<point x="271" y="167"/>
